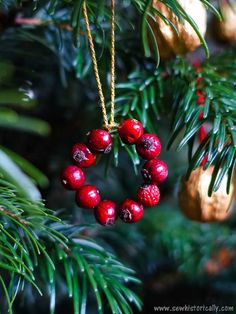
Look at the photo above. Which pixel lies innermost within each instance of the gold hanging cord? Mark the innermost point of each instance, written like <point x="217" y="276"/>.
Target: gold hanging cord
<point x="107" y="125"/>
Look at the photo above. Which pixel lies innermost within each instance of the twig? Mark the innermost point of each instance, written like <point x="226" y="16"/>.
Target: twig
<point x="40" y="22"/>
<point x="8" y="213"/>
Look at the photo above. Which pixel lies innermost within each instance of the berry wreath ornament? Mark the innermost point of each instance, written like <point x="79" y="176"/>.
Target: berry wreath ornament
<point x="99" y="141"/>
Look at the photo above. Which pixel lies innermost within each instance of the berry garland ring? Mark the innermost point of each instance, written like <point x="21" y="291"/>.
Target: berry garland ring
<point x="99" y="141"/>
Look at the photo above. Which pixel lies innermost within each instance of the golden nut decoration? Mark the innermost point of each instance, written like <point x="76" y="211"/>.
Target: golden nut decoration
<point x="226" y="29"/>
<point x="169" y="42"/>
<point x="195" y="202"/>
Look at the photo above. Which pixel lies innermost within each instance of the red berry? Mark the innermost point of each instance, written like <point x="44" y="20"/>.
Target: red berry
<point x="198" y="79"/>
<point x="100" y="141"/>
<point x="148" y="195"/>
<point x="196" y="64"/>
<point x="155" y="171"/>
<point x="72" y="177"/>
<point x="201" y="99"/>
<point x="130" y="211"/>
<point x="88" y="196"/>
<point x="199" y="93"/>
<point x="130" y="131"/>
<point x="106" y="213"/>
<point x="82" y="155"/>
<point x="148" y="146"/>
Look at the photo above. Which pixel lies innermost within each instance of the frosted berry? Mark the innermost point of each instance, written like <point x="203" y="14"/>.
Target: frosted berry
<point x="88" y="196"/>
<point x="130" y="130"/>
<point x="148" y="146"/>
<point x="82" y="155"/>
<point x="106" y="213"/>
<point x="148" y="195"/>
<point x="100" y="141"/>
<point x="72" y="177"/>
<point x="154" y="171"/>
<point x="130" y="211"/>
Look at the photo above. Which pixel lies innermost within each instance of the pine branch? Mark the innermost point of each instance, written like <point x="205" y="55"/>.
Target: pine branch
<point x="20" y="247"/>
<point x="218" y="112"/>
<point x="147" y="92"/>
<point x="84" y="263"/>
<point x="100" y="15"/>
<point x="38" y="249"/>
<point x="148" y="12"/>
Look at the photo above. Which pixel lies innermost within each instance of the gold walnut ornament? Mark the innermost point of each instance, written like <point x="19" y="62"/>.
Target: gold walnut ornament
<point x="195" y="202"/>
<point x="169" y="42"/>
<point x="226" y="30"/>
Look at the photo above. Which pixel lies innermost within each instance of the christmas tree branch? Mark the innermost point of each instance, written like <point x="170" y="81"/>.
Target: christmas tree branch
<point x="147" y="93"/>
<point x="38" y="249"/>
<point x="217" y="111"/>
<point x="100" y="13"/>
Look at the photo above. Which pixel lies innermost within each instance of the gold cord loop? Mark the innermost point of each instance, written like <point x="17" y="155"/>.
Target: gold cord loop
<point x="112" y="120"/>
<point x="107" y="125"/>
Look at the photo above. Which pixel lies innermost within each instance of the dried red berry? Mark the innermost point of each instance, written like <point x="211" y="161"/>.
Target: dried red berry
<point x="148" y="195"/>
<point x="201" y="100"/>
<point x="199" y="70"/>
<point x="88" y="196"/>
<point x="198" y="79"/>
<point x="82" y="155"/>
<point x="155" y="171"/>
<point x="199" y="93"/>
<point x="196" y="64"/>
<point x="106" y="213"/>
<point x="148" y="146"/>
<point x="72" y="177"/>
<point x="100" y="141"/>
<point x="130" y="211"/>
<point x="130" y="130"/>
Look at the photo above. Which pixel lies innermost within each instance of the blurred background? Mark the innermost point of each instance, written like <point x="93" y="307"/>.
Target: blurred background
<point x="48" y="102"/>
